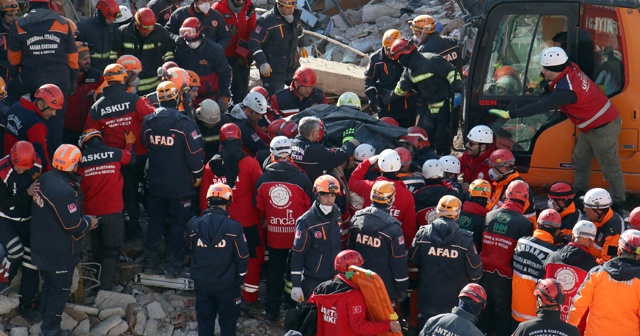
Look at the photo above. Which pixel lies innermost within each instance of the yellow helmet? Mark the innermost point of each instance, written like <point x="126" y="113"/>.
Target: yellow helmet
<point x="349" y="99"/>
<point x="449" y="207"/>
<point x="423" y="24"/>
<point x="3" y="89"/>
<point x="115" y="73"/>
<point x="480" y="188"/>
<point x="390" y="36"/>
<point x="167" y="90"/>
<point x="383" y="192"/>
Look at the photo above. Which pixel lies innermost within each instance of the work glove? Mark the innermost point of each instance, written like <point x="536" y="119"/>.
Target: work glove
<point x="457" y="99"/>
<point x="197" y="182"/>
<point x="500" y="113"/>
<point x="387" y="98"/>
<point x="129" y="138"/>
<point x="373" y="159"/>
<point x="296" y="294"/>
<point x="372" y="95"/>
<point x="348" y="134"/>
<point x="304" y="53"/>
<point x="223" y="103"/>
<point x="265" y="70"/>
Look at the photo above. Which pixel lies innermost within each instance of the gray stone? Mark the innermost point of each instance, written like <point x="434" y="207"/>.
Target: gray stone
<point x="372" y="11"/>
<point x="192" y="325"/>
<point x="141" y="321"/>
<point x="103" y="327"/>
<point x="155" y="311"/>
<point x="19" y="321"/>
<point x="68" y="323"/>
<point x="105" y="313"/>
<point x="166" y="306"/>
<point x="19" y="331"/>
<point x="75" y="314"/>
<point x="151" y="328"/>
<point x="8" y="303"/>
<point x="119" y="329"/>
<point x="82" y="328"/>
<point x="106" y="299"/>
<point x="35" y="329"/>
<point x="193" y="333"/>
<point x="179" y="304"/>
<point x="2" y="333"/>
<point x="165" y="329"/>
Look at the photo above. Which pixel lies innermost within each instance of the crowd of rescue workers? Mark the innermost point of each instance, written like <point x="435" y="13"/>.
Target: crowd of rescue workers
<point x="152" y="110"/>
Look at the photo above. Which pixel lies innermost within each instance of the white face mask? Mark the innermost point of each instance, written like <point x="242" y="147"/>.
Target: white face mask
<point x="204" y="7"/>
<point x="194" y="44"/>
<point x="326" y="209"/>
<point x="288" y="18"/>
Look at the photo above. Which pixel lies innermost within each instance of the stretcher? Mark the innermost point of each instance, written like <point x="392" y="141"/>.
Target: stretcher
<point x="379" y="306"/>
<point x="161" y="281"/>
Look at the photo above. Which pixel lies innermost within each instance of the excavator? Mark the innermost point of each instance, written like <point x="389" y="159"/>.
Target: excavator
<point x="502" y="42"/>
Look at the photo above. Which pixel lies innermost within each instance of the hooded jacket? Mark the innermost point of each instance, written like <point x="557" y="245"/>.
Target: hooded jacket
<point x="547" y="323"/>
<point x="472" y="219"/>
<point x="458" y="322"/>
<point x="447" y="260"/>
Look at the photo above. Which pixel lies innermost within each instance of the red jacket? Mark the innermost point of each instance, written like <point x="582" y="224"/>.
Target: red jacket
<point x="78" y="104"/>
<point x="403" y="208"/>
<point x="243" y="23"/>
<point x="476" y="167"/>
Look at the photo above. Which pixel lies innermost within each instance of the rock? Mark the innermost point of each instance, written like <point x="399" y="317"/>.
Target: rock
<point x="74" y="280"/>
<point x="19" y="321"/>
<point x="8" y="303"/>
<point x="82" y="308"/>
<point x="177" y="304"/>
<point x="103" y="327"/>
<point x="20" y="331"/>
<point x="155" y="311"/>
<point x="2" y="333"/>
<point x="119" y="329"/>
<point x="372" y="11"/>
<point x="141" y="321"/>
<point x="75" y="314"/>
<point x="192" y="325"/>
<point x="165" y="304"/>
<point x="151" y="328"/>
<point x="106" y="299"/>
<point x="110" y="312"/>
<point x="82" y="328"/>
<point x="192" y="333"/>
<point x="165" y="329"/>
<point x="34" y="330"/>
<point x="68" y="323"/>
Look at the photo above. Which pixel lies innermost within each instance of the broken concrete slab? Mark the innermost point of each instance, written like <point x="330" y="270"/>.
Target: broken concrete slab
<point x="82" y="328"/>
<point x="336" y="78"/>
<point x="8" y="303"/>
<point x="105" y="313"/>
<point x="107" y="299"/>
<point x="103" y="327"/>
<point x="155" y="311"/>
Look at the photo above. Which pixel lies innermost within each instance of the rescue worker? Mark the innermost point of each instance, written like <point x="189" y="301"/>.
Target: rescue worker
<point x="314" y="158"/>
<point x="435" y="187"/>
<point x="220" y="258"/>
<point x="549" y="295"/>
<point x="446" y="258"/>
<point x="43" y="60"/>
<point x="561" y="197"/>
<point x="26" y="121"/>
<point x="428" y="39"/>
<point x="417" y="142"/>
<point x="611" y="292"/>
<point x="589" y="109"/>
<point x="209" y="121"/>
<point x="634" y="218"/>
<point x="381" y="77"/>
<point x="77" y="104"/>
<point x="317" y="240"/>
<point x="175" y="167"/>
<point x="247" y="115"/>
<point x="150" y="43"/>
<point x="215" y="28"/>
<point x="503" y="227"/>
<point x="411" y="178"/>
<point x="597" y="208"/>
<point x="528" y="260"/>
<point x="341" y="305"/>
<point x="19" y="171"/>
<point x="240" y="17"/>
<point x="274" y="44"/>
<point x="435" y="80"/>
<point x="474" y="210"/>
<point x="404" y="209"/>
<point x="503" y="172"/>
<point x="99" y="33"/>
<point x="375" y="234"/>
<point x="163" y="9"/>
<point x="479" y="146"/>
<point x="125" y="16"/>
<point x="575" y="260"/>
<point x="300" y="95"/>
<point x="283" y="194"/>
<point x="134" y="67"/>
<point x="101" y="187"/>
<point x="451" y="169"/>
<point x="57" y="228"/>
<point x="462" y="319"/>
<point x="9" y="13"/>
<point x="349" y="99"/>
<point x="240" y="172"/>
<point x="197" y="52"/>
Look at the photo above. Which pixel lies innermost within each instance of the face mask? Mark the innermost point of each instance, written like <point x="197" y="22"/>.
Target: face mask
<point x="326" y="209"/>
<point x="194" y="44"/>
<point x="288" y="18"/>
<point x="494" y="174"/>
<point x="204" y="7"/>
<point x="135" y="82"/>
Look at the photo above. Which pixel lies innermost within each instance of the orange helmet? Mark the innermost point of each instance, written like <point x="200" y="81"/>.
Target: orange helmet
<point x="52" y="96"/>
<point x="549" y="291"/>
<point x="82" y="47"/>
<point x="405" y="156"/>
<point x="167" y="91"/>
<point x="66" y="158"/>
<point x="480" y="188"/>
<point x="347" y="258"/>
<point x="230" y="131"/>
<point x="305" y="76"/>
<point x="423" y="23"/>
<point x="115" y="73"/>
<point x="634" y="218"/>
<point x="179" y="77"/>
<point x="23" y="155"/>
<point x="274" y="127"/>
<point x="383" y="192"/>
<point x="8" y="5"/>
<point x="145" y="19"/>
<point x="390" y="121"/>
<point x="3" y="89"/>
<point x="131" y="63"/>
<point x="326" y="184"/>
<point x="88" y="134"/>
<point x="475" y="292"/>
<point x="191" y="29"/>
<point x="505" y="70"/>
<point x="109" y="8"/>
<point x="219" y="194"/>
<point x="390" y="36"/>
<point x="194" y="79"/>
<point x="287" y="3"/>
<point x="501" y="158"/>
<point x="417" y="137"/>
<point x="518" y="190"/>
<point x="549" y="218"/>
<point x="449" y="207"/>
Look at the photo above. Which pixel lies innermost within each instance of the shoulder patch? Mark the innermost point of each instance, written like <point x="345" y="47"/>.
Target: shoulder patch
<point x="258" y="29"/>
<point x="72" y="208"/>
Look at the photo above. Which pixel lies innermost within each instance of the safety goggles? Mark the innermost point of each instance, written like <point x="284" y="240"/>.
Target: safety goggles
<point x="188" y="32"/>
<point x="149" y="28"/>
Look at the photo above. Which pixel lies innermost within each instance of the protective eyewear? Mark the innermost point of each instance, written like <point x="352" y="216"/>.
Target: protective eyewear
<point x="188" y="32"/>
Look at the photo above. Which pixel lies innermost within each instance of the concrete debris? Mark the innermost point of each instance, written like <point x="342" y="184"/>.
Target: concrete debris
<point x="68" y="323"/>
<point x="8" y="303"/>
<point x="111" y="311"/>
<point x="2" y="333"/>
<point x="83" y="309"/>
<point x="75" y="314"/>
<point x="372" y="11"/>
<point x="155" y="311"/>
<point x="19" y="321"/>
<point x="141" y="322"/>
<point x="151" y="328"/>
<point x="119" y="329"/>
<point x="107" y="299"/>
<point x="82" y="328"/>
<point x="19" y="331"/>
<point x="103" y="327"/>
<point x="165" y="329"/>
<point x="34" y="330"/>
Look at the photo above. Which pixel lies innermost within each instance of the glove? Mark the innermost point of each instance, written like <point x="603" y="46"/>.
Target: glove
<point x="223" y="103"/>
<point x="500" y="113"/>
<point x="348" y="134"/>
<point x="129" y="138"/>
<point x="197" y="182"/>
<point x="304" y="53"/>
<point x="296" y="294"/>
<point x="372" y="95"/>
<point x="373" y="159"/>
<point x="402" y="296"/>
<point x="265" y="70"/>
<point x="457" y="99"/>
<point x="387" y="98"/>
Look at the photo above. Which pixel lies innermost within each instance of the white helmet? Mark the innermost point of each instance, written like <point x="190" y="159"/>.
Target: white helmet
<point x="553" y="56"/>
<point x="208" y="112"/>
<point x="450" y="164"/>
<point x="597" y="198"/>
<point x="585" y="229"/>
<point x="363" y="152"/>
<point x="280" y="146"/>
<point x="125" y="14"/>
<point x="256" y="102"/>
<point x="389" y="161"/>
<point x="481" y="134"/>
<point x="432" y="169"/>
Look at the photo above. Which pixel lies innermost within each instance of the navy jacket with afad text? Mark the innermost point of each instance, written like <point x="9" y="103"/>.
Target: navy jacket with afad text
<point x="24" y="122"/>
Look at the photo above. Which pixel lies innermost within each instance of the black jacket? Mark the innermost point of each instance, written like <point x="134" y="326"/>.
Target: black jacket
<point x="458" y="322"/>
<point x="547" y="323"/>
<point x="287" y="103"/>
<point x="163" y="10"/>
<point x="211" y="136"/>
<point x="315" y="158"/>
<point x="447" y="260"/>
<point x="431" y="75"/>
<point x="427" y="198"/>
<point x="209" y="62"/>
<point x="15" y="203"/>
<point x="251" y="141"/>
<point x="100" y="39"/>
<point x="445" y="46"/>
<point x="220" y="254"/>
<point x="213" y="24"/>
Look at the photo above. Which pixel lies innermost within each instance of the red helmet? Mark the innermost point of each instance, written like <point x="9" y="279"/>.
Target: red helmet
<point x="561" y="190"/>
<point x="347" y="258"/>
<point x="401" y="47"/>
<point x="549" y="291"/>
<point x="274" y="127"/>
<point x="305" y="76"/>
<point x="629" y="241"/>
<point x="109" y="8"/>
<point x="390" y="121"/>
<point x="405" y="156"/>
<point x="549" y="218"/>
<point x="417" y="137"/>
<point x="475" y="292"/>
<point x="289" y="129"/>
<point x="22" y="155"/>
<point x="52" y="96"/>
<point x="505" y="70"/>
<point x="518" y="190"/>
<point x="191" y="29"/>
<point x="170" y="64"/>
<point x="634" y="218"/>
<point x="230" y="131"/>
<point x="501" y="158"/>
<point x="145" y="20"/>
<point x="262" y="91"/>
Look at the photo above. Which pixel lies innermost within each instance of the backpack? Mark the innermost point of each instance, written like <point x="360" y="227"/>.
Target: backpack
<point x="303" y="318"/>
